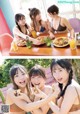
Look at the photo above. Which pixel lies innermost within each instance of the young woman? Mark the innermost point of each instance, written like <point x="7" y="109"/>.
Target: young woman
<point x="22" y="31"/>
<point x="68" y="101"/>
<point x="37" y="78"/>
<point x="37" y="23"/>
<point x="20" y="80"/>
<point x="19" y="97"/>
<point x="58" y="24"/>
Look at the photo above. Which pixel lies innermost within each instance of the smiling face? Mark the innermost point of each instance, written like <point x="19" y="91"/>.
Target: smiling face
<point x="22" y="21"/>
<point x="20" y="78"/>
<point x="38" y="17"/>
<point x="60" y="74"/>
<point x="38" y="80"/>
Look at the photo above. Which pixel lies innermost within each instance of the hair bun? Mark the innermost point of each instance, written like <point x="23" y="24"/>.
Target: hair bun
<point x="29" y="9"/>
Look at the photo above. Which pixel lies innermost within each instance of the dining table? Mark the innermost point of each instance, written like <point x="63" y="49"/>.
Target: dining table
<point x="43" y="50"/>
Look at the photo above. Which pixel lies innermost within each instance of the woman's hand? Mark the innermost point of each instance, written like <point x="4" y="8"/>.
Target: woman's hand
<point x="22" y="96"/>
<point x="51" y="35"/>
<point x="36" y="42"/>
<point x="38" y="93"/>
<point x="56" y="90"/>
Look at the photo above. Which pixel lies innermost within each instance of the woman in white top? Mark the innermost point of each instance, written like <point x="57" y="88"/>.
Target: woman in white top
<point x="22" y="31"/>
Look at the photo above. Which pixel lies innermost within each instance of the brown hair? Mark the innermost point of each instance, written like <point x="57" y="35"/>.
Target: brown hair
<point x="12" y="73"/>
<point x="37" y="70"/>
<point x="33" y="13"/>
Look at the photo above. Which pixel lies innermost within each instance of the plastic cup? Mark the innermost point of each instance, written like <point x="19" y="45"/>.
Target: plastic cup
<point x="72" y="43"/>
<point x="34" y="34"/>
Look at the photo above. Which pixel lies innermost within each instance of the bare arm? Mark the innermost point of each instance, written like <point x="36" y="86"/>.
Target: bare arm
<point x="67" y="24"/>
<point x="44" y="23"/>
<point x="67" y="103"/>
<point x="44" y="109"/>
<point x="29" y="106"/>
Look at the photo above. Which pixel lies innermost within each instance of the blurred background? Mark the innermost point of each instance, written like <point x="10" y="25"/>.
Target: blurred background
<point x="28" y="63"/>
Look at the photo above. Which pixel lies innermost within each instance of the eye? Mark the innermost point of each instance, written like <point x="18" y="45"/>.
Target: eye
<point x="54" y="71"/>
<point x="60" y="70"/>
<point x="16" y="75"/>
<point x="23" y="73"/>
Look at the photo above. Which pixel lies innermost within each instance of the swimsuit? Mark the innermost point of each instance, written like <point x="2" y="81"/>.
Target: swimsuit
<point x="60" y="27"/>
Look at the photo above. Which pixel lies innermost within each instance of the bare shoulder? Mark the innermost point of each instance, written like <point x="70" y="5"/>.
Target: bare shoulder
<point x="71" y="89"/>
<point x="63" y="19"/>
<point x="9" y="91"/>
<point x="31" y="23"/>
<point x="43" y="22"/>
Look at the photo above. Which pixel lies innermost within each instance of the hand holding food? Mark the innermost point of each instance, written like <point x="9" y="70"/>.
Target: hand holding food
<point x="38" y="93"/>
<point x="17" y="92"/>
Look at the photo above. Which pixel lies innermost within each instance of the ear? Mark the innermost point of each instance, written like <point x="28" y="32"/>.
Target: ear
<point x="54" y="13"/>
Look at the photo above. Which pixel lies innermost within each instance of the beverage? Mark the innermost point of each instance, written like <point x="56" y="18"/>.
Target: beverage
<point x="72" y="43"/>
<point x="14" y="46"/>
<point x="34" y="34"/>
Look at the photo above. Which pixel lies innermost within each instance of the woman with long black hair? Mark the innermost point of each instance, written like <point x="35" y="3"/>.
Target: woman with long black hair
<point x="22" y="31"/>
<point x="68" y="101"/>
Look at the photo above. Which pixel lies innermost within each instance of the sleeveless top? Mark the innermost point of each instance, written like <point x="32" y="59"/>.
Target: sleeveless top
<point x="15" y="108"/>
<point x="42" y="29"/>
<point x="60" y="27"/>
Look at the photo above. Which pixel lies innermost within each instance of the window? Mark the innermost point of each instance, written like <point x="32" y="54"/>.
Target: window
<point x="72" y="10"/>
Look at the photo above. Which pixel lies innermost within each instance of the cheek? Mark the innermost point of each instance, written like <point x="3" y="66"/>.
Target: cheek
<point x="42" y="81"/>
<point x="37" y="17"/>
<point x="32" y="80"/>
<point x="16" y="81"/>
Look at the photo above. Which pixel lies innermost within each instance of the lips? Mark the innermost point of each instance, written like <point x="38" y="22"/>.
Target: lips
<point x="22" y="82"/>
<point x="37" y="84"/>
<point x="60" y="79"/>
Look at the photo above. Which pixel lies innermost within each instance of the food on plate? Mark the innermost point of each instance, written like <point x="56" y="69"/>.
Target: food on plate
<point x="41" y="38"/>
<point x="61" y="41"/>
<point x="21" y="43"/>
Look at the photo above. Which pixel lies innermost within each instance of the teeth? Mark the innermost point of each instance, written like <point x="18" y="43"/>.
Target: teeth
<point x="22" y="82"/>
<point x="36" y="84"/>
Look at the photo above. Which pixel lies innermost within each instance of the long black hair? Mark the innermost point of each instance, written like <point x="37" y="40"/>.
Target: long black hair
<point x="18" y="17"/>
<point x="66" y="65"/>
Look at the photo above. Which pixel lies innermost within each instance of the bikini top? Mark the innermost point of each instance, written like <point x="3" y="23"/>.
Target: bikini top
<point x="60" y="27"/>
<point x="15" y="108"/>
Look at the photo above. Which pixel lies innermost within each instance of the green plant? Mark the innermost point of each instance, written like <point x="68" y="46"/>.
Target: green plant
<point x="2" y="97"/>
<point x="29" y="44"/>
<point x="48" y="41"/>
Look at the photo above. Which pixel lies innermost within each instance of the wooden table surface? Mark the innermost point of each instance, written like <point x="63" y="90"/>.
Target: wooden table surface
<point x="46" y="51"/>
